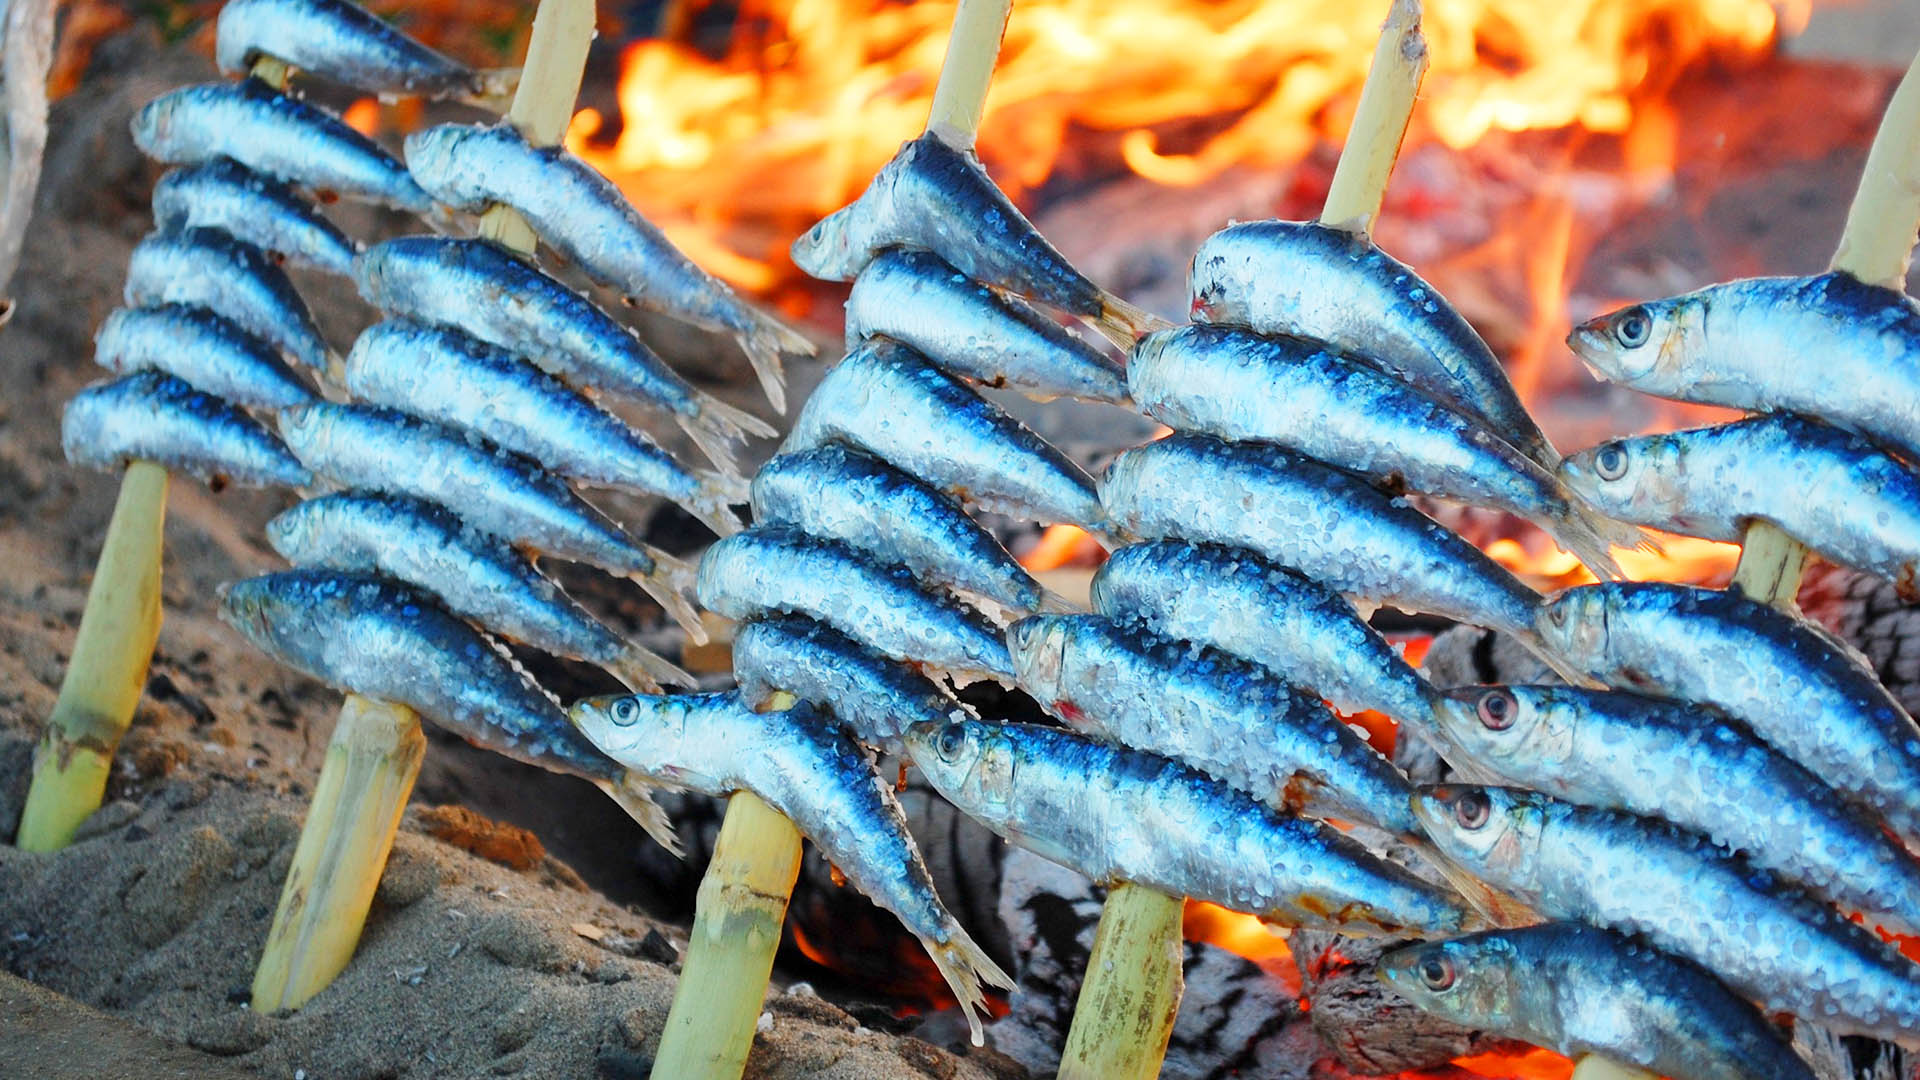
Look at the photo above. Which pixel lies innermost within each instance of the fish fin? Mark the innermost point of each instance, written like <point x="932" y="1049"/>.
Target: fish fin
<point x="965" y="966"/>
<point x="765" y="343"/>
<point x="645" y="671"/>
<point x="1052" y="603"/>
<point x="635" y="796"/>
<point x="1123" y="324"/>
<point x="718" y="428"/>
<point x="671" y="584"/>
<point x="446" y="221"/>
<point x="1583" y="532"/>
<point x="1530" y="640"/>
<point x="1500" y="910"/>
<point x="493" y="89"/>
<point x="713" y="501"/>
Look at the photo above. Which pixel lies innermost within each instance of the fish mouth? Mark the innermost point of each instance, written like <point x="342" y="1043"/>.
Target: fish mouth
<point x="1587" y="340"/>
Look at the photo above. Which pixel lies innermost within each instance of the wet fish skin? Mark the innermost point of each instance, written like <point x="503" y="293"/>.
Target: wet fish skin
<point x="589" y="221"/>
<point x="278" y="135"/>
<point x="1332" y="408"/>
<point x="861" y="501"/>
<point x="226" y="195"/>
<point x="1238" y="602"/>
<point x="804" y="766"/>
<point x="153" y="416"/>
<point x="1581" y="990"/>
<point x="1224" y="716"/>
<point x="973" y="331"/>
<point x="1116" y="814"/>
<point x="210" y="269"/>
<point x="204" y="349"/>
<point x="493" y="490"/>
<point x="389" y="642"/>
<point x="475" y="575"/>
<point x="1719" y="648"/>
<point x="1743" y="344"/>
<point x="455" y="282"/>
<point x="1306" y="280"/>
<point x="1621" y="751"/>
<point x="348" y="44"/>
<point x="767" y="570"/>
<point x="440" y="373"/>
<point x="1833" y="491"/>
<point x="937" y="198"/>
<point x="1316" y="520"/>
<point x="1686" y="896"/>
<point x="889" y="401"/>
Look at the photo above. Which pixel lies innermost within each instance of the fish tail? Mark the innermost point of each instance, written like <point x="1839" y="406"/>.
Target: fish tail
<point x="493" y="89"/>
<point x="1585" y="533"/>
<point x="1123" y="324"/>
<point x="1499" y="909"/>
<point x="635" y="796"/>
<point x="1052" y="603"/>
<point x="644" y="671"/>
<point x="671" y="584"/>
<point x="713" y="500"/>
<point x="765" y="342"/>
<point x="965" y="966"/>
<point x="718" y="429"/>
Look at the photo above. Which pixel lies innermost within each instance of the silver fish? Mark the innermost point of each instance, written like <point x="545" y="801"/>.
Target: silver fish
<point x="863" y="502"/>
<point x="1833" y="491"/>
<point x="975" y="331"/>
<point x="937" y="198"/>
<point x="765" y="570"/>
<point x="280" y="136"/>
<point x="1226" y="717"/>
<point x="475" y="575"/>
<point x="1116" y="815"/>
<point x="152" y="416"/>
<point x="348" y="44"/>
<point x="587" y="219"/>
<point x="1581" y="990"/>
<point x="887" y="400"/>
<point x="495" y="491"/>
<point x="451" y="282"/>
<point x="804" y="766"/>
<point x="207" y="350"/>
<point x="210" y="269"/>
<point x="1295" y="393"/>
<point x="1621" y="751"/>
<point x="877" y="699"/>
<point x="1307" y="280"/>
<point x="1326" y="524"/>
<point x="226" y="195"/>
<point x="1744" y="344"/>
<point x="441" y="374"/>
<point x="1235" y="601"/>
<point x="1808" y="695"/>
<point x="1686" y="896"/>
<point x="388" y="642"/>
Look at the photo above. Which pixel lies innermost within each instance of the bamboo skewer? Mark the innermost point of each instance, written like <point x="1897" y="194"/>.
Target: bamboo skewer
<point x="960" y="97"/>
<point x="1130" y="994"/>
<point x="377" y="747"/>
<point x="1380" y="121"/>
<point x="1595" y="1067"/>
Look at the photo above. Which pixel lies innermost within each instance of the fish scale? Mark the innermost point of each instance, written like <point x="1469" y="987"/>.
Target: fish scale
<point x="226" y="195"/>
<point x="347" y="44"/>
<point x="208" y="268"/>
<point x="207" y="350"/>
<point x="152" y="416"/>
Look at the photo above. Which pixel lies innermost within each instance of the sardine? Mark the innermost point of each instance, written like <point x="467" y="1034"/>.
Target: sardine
<point x="207" y="268"/>
<point x="1295" y="393"/>
<point x="1686" y="896"/>
<point x="1235" y="601"/>
<point x="876" y="698"/>
<point x="887" y="400"/>
<point x="1232" y="720"/>
<point x="281" y="136"/>
<point x="388" y="642"/>
<point x="1807" y="694"/>
<point x="226" y="195"/>
<point x="460" y="283"/>
<point x="494" y="490"/>
<point x="152" y="416"/>
<point x="1744" y="344"/>
<point x="1621" y="751"/>
<point x="804" y="766"/>
<point x="587" y="219"/>
<point x="209" y="351"/>
<point x="937" y="198"/>
<point x="475" y="575"/>
<point x="1581" y="990"/>
<point x="1307" y="280"/>
<point x="1833" y="491"/>
<point x="348" y="44"/>
<point x="766" y="570"/>
<point x="1116" y="814"/>
<point x="974" y="331"/>
<point x="441" y="374"/>
<point x="861" y="501"/>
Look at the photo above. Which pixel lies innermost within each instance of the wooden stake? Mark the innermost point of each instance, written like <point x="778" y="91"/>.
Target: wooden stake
<point x="108" y="672"/>
<point x="1131" y="991"/>
<point x="1379" y="123"/>
<point x="1595" y="1067"/>
<point x="543" y="106"/>
<point x="1875" y="247"/>
<point x="960" y="97"/>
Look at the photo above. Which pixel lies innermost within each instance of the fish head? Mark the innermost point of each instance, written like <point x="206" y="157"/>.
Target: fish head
<point x="300" y="425"/>
<point x="1038" y="645"/>
<point x="1646" y="346"/>
<point x="1491" y="831"/>
<point x="1217" y="282"/>
<point x="430" y="153"/>
<point x="1630" y="479"/>
<point x="1467" y="980"/>
<point x="152" y="126"/>
<point x="1496" y="725"/>
<point x="641" y="731"/>
<point x="828" y="250"/>
<point x="248" y="607"/>
<point x="1573" y="623"/>
<point x="968" y="761"/>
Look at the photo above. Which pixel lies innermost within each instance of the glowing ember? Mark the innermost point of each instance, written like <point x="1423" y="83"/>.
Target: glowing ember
<point x="1533" y="1064"/>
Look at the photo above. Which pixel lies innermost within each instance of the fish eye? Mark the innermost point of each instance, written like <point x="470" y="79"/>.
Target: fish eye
<point x="1436" y="971"/>
<point x="1472" y="809"/>
<point x="625" y="712"/>
<point x="1610" y="461"/>
<point x="1632" y="327"/>
<point x="1496" y="709"/>
<point x="950" y="741"/>
<point x="1557" y="614"/>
